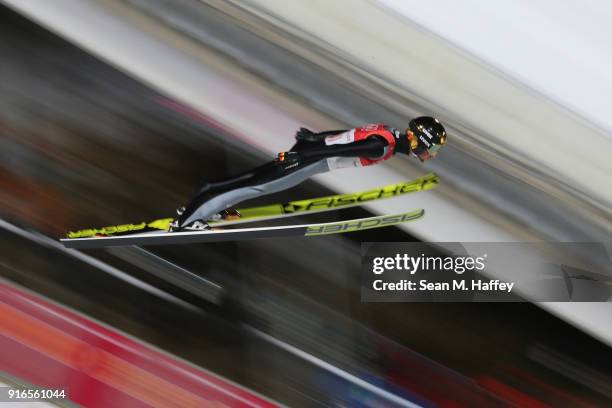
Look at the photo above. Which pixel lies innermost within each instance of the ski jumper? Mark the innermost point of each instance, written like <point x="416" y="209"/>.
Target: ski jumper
<point x="314" y="153"/>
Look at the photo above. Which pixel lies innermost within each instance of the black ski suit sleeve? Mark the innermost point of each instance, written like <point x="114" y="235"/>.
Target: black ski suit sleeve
<point x="372" y="147"/>
<point x="307" y="135"/>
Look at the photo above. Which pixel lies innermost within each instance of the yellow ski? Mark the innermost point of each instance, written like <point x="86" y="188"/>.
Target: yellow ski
<point x="275" y="211"/>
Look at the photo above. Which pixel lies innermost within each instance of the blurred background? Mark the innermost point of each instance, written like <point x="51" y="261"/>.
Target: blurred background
<point x="116" y="111"/>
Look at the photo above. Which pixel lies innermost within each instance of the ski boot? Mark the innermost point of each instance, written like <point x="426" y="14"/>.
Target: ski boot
<point x="198" y="225"/>
<point x="230" y="214"/>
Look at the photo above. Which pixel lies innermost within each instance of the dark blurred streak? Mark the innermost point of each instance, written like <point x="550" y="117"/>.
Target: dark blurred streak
<point x="572" y="369"/>
<point x="170" y="272"/>
<point x="91" y="261"/>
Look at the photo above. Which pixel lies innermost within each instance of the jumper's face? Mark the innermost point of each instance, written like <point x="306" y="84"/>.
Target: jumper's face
<point x="416" y="149"/>
<point x="420" y="151"/>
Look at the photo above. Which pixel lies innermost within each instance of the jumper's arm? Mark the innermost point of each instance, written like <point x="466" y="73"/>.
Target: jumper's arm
<point x="307" y="135"/>
<point x="372" y="147"/>
<point x="307" y="152"/>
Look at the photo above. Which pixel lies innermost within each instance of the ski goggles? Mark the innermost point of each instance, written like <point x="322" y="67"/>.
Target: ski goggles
<point x="433" y="150"/>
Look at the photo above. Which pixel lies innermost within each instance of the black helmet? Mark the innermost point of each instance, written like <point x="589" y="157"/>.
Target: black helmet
<point x="429" y="135"/>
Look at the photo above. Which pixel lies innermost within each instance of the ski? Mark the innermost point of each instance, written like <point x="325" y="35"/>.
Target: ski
<point x="281" y="210"/>
<point x="214" y="235"/>
<point x="330" y="203"/>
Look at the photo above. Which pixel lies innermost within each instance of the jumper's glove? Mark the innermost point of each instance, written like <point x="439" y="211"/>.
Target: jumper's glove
<point x="287" y="160"/>
<point x="306" y="135"/>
